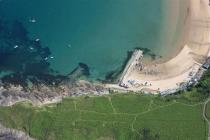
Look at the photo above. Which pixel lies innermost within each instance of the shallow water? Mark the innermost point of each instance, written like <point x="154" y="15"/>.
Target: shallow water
<point x="96" y="32"/>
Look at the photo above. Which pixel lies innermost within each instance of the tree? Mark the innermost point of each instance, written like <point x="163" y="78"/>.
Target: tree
<point x="145" y="134"/>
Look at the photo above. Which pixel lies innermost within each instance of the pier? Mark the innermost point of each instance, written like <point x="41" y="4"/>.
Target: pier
<point x="135" y="58"/>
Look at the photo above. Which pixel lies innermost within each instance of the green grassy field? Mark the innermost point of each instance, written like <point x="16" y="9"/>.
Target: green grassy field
<point x="119" y="117"/>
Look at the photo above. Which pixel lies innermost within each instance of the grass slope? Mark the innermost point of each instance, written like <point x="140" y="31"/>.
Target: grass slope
<point x="119" y="117"/>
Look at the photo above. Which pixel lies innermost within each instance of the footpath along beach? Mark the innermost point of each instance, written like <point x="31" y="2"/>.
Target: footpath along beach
<point x="183" y="69"/>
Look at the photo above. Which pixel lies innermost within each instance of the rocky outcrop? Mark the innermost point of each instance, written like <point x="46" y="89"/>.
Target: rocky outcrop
<point x="12" y="134"/>
<point x="81" y="70"/>
<point x="43" y="94"/>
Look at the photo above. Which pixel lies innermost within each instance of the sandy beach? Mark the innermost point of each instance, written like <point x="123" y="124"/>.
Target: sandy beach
<point x="185" y="64"/>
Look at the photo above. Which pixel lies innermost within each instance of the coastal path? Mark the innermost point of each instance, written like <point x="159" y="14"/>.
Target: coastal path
<point x="206" y="117"/>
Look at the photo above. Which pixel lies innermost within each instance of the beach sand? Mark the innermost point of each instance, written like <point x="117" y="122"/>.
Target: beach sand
<point x="195" y="42"/>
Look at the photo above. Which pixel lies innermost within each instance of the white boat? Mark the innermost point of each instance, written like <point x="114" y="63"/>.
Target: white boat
<point x="16" y="46"/>
<point x="33" y="20"/>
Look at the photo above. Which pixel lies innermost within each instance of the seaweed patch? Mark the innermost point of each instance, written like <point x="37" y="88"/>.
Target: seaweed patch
<point x="25" y="58"/>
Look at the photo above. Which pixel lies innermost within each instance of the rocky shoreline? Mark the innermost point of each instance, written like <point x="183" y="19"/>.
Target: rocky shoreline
<point x="42" y="94"/>
<point x="12" y="134"/>
<point x="45" y="94"/>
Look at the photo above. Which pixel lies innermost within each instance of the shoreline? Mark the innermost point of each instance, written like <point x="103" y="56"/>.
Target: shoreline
<point x="174" y="30"/>
<point x="181" y="69"/>
<point x="165" y="77"/>
<point x="9" y="133"/>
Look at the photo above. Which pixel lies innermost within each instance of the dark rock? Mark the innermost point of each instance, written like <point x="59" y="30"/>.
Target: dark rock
<point x="81" y="70"/>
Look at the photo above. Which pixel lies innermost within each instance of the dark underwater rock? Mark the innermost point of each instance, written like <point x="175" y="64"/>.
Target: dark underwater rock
<point x="25" y="58"/>
<point x="81" y="70"/>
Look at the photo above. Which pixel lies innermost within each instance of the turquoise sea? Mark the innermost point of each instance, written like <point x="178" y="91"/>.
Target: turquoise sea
<point x="95" y="32"/>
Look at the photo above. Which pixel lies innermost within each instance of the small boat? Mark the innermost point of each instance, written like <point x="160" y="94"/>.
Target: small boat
<point x="33" y="20"/>
<point x="16" y="46"/>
